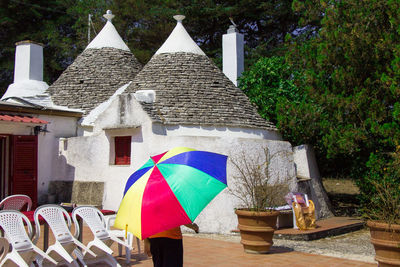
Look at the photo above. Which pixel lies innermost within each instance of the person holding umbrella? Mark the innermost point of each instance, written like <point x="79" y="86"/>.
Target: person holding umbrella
<point x="168" y="191"/>
<point x="166" y="248"/>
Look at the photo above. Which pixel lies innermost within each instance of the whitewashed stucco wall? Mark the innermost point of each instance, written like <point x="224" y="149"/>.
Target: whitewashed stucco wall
<point x="188" y="130"/>
<point x="91" y="156"/>
<point x="58" y="127"/>
<point x="16" y="128"/>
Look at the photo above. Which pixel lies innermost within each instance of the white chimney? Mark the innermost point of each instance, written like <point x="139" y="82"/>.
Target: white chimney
<point x="28" y="61"/>
<point x="28" y="71"/>
<point x="233" y="54"/>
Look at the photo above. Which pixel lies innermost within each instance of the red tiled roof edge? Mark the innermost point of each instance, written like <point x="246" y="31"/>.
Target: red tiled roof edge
<point x="24" y="119"/>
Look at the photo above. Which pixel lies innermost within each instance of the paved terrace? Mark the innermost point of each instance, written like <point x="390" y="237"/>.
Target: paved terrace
<point x="204" y="252"/>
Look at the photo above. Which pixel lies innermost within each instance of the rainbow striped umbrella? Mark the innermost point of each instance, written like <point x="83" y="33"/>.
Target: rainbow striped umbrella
<point x="170" y="190"/>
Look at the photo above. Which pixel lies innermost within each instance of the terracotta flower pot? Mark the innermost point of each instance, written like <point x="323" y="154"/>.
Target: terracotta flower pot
<point x="257" y="229"/>
<point x="386" y="243"/>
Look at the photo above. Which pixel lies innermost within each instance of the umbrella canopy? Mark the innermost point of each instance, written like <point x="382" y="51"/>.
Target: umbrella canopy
<point x="170" y="190"/>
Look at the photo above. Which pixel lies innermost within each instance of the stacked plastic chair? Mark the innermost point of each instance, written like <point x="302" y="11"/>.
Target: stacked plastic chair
<point x="16" y="202"/>
<point x="65" y="244"/>
<point x="103" y="238"/>
<point x="23" y="252"/>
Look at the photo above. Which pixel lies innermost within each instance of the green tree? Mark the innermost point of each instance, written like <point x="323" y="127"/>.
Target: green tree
<point x="270" y="82"/>
<point x="351" y="70"/>
<point x="146" y="24"/>
<point x="50" y="22"/>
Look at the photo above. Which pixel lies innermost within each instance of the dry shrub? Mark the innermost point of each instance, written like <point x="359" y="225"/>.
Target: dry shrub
<point x="385" y="204"/>
<point x="380" y="188"/>
<point x="253" y="182"/>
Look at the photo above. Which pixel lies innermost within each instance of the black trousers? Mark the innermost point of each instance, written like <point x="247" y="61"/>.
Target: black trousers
<point x="166" y="252"/>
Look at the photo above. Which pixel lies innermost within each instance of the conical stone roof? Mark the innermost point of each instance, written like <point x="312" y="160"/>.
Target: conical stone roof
<point x="103" y="67"/>
<point x="192" y="90"/>
<point x="93" y="78"/>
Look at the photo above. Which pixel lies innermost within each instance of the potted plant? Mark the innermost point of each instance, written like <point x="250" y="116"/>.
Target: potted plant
<point x="380" y="194"/>
<point x="258" y="197"/>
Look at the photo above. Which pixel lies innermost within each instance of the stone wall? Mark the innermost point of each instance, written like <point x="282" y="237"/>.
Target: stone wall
<point x="78" y="192"/>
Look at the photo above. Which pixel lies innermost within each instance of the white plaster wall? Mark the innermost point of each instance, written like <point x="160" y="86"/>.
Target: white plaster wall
<point x="123" y="112"/>
<point x="50" y="164"/>
<point x="87" y="155"/>
<point x="90" y="156"/>
<point x="16" y="128"/>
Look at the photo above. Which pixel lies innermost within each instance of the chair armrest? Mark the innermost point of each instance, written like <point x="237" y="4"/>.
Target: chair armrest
<point x="110" y="219"/>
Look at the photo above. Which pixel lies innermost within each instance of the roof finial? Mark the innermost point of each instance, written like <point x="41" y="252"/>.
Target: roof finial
<point x="109" y="15"/>
<point x="233" y="27"/>
<point x="179" y="18"/>
<point x="233" y="23"/>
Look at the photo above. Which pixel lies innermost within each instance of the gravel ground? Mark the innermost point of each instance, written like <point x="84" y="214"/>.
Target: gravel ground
<point x="352" y="246"/>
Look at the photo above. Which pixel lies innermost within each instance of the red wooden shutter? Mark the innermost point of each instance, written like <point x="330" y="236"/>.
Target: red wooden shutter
<point x="122" y="150"/>
<point x="24" y="166"/>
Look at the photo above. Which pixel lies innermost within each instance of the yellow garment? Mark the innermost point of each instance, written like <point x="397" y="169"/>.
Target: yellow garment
<point x="305" y="216"/>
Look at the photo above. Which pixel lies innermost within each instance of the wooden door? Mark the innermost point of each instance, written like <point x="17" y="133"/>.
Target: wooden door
<point x="24" y="166"/>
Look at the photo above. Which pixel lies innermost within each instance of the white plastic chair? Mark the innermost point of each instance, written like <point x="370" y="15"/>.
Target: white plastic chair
<point x="59" y="222"/>
<point x="103" y="239"/>
<point x="23" y="252"/>
<point x="16" y="202"/>
<point x="121" y="234"/>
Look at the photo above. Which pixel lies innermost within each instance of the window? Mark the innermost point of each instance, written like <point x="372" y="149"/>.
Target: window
<point x="122" y="150"/>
